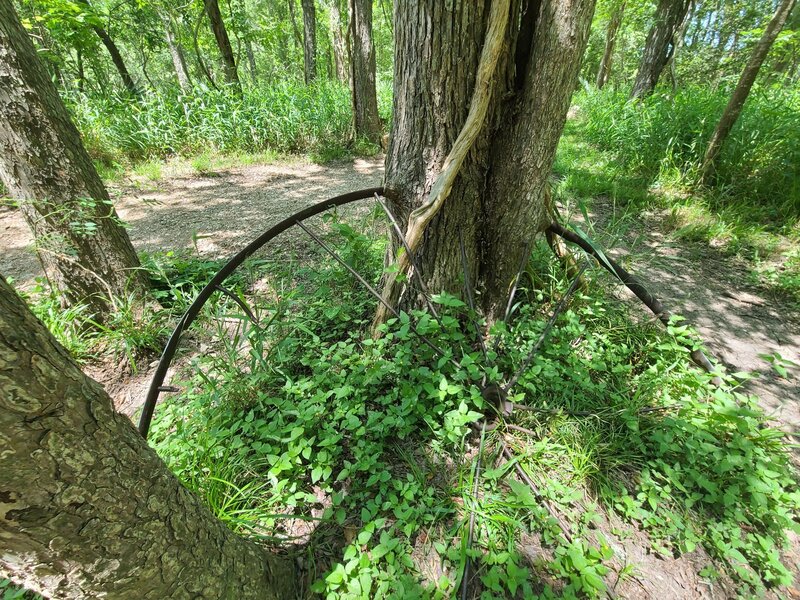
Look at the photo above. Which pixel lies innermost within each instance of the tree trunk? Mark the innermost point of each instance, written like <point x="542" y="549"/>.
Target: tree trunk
<point x="83" y="248"/>
<point x="604" y="72"/>
<point x="116" y="58"/>
<point x="176" y="52"/>
<point x="251" y="59"/>
<point x="659" y="45"/>
<point x="81" y="71"/>
<point x="679" y="37"/>
<point x="365" y="99"/>
<point x="498" y="200"/>
<point x="339" y="46"/>
<point x="295" y="29"/>
<point x="309" y="41"/>
<point x="88" y="509"/>
<point x="223" y="43"/>
<point x="739" y="96"/>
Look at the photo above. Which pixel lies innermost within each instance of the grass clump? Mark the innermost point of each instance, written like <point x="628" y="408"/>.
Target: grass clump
<point x="285" y="117"/>
<point x="663" y="138"/>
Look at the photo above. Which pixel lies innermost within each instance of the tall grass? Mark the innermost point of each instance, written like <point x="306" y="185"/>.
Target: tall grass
<point x="285" y="117"/>
<point x="664" y="138"/>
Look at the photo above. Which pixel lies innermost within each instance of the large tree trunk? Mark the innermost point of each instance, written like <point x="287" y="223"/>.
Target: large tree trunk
<point x="659" y="46"/>
<point x="87" y="509"/>
<point x="339" y="46"/>
<point x="604" y="72"/>
<point x="83" y="248"/>
<point x="223" y="43"/>
<point x="309" y="40"/>
<point x="365" y="99"/>
<point x="498" y="201"/>
<point x="176" y="52"/>
<point x="746" y="80"/>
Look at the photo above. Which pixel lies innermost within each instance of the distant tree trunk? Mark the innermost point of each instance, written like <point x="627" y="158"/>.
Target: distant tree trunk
<point x="81" y="71"/>
<point x="339" y="46"/>
<point x="251" y="59"/>
<point x="116" y="58"/>
<point x="176" y="52"/>
<point x="89" y="509"/>
<point x="502" y="161"/>
<point x="739" y="96"/>
<point x="679" y="36"/>
<point x="365" y="101"/>
<point x="604" y="72"/>
<point x="223" y="43"/>
<point x="298" y="39"/>
<point x="659" y="46"/>
<point x="85" y="252"/>
<point x="309" y="41"/>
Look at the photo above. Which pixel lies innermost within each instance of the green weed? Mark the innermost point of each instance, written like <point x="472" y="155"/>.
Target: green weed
<point x="310" y="411"/>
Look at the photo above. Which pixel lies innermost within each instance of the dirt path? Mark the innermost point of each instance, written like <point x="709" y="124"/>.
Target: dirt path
<point x="739" y="323"/>
<point x="221" y="211"/>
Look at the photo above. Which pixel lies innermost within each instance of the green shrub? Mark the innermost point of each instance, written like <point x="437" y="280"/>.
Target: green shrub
<point x="665" y="136"/>
<point x="285" y="117"/>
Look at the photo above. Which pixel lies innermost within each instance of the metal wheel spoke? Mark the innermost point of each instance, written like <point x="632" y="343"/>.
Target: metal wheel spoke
<point x="470" y="538"/>
<point x="370" y="289"/>
<point x="412" y="259"/>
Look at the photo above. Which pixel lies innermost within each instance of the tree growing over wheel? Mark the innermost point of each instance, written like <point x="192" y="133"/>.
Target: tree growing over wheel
<point x="83" y="247"/>
<point x="87" y="509"/>
<point x="481" y="93"/>
<point x="481" y="96"/>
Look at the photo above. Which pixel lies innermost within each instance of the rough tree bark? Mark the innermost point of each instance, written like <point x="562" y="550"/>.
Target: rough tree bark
<point x="87" y="509"/>
<point x="339" y="45"/>
<point x="176" y="52"/>
<point x="223" y="43"/>
<point x="735" y="105"/>
<point x="365" y="99"/>
<point x="84" y="250"/>
<point x="498" y="200"/>
<point x="659" y="45"/>
<point x="604" y="72"/>
<point x="309" y="41"/>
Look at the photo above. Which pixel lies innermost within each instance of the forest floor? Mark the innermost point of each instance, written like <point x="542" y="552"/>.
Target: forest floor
<point x="217" y="213"/>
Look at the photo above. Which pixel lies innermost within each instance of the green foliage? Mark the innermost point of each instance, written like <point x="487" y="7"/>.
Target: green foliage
<point x="285" y="117"/>
<point x="664" y="137"/>
<point x="13" y="592"/>
<point x="309" y="424"/>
